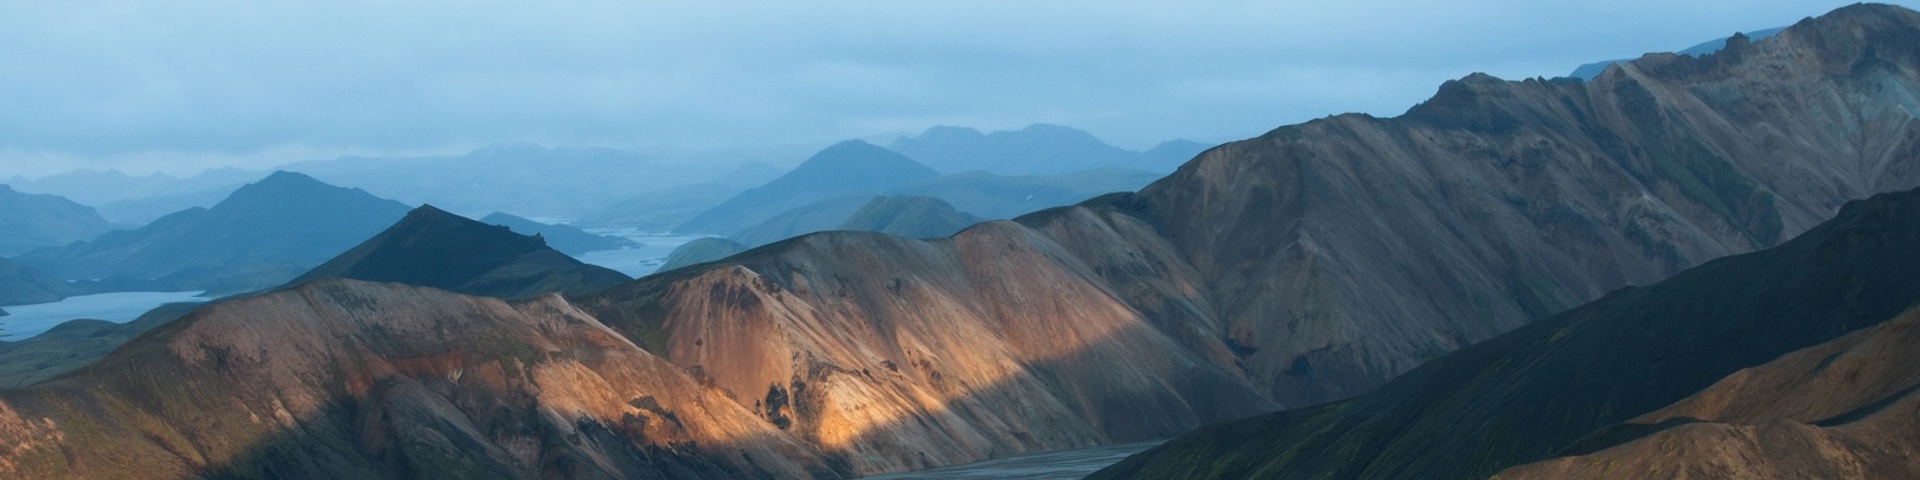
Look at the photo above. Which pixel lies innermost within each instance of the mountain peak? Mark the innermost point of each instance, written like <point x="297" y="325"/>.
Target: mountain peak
<point x="856" y="156"/>
<point x="431" y="247"/>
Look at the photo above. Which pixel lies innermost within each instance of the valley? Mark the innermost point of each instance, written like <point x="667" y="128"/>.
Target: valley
<point x="1683" y="265"/>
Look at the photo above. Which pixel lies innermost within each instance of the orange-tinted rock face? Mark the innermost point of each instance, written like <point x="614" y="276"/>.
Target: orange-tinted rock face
<point x="897" y="354"/>
<point x="345" y="379"/>
<point x="1310" y="264"/>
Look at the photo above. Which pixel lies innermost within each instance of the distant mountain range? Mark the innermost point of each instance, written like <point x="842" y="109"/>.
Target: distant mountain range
<point x="433" y="248"/>
<point x="1438" y="259"/>
<point x="29" y="221"/>
<point x="810" y="199"/>
<point x="911" y="216"/>
<point x="850" y="166"/>
<point x="99" y="188"/>
<point x="1039" y="149"/>
<point x="262" y="235"/>
<point x="512" y="177"/>
<point x="908" y="216"/>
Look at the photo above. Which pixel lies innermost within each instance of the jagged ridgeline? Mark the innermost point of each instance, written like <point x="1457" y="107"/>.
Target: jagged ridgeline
<point x="1311" y="264"/>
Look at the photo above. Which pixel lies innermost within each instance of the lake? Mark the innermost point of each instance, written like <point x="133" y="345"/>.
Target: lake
<point x="26" y="321"/>
<point x="638" y="261"/>
<point x="1061" y="465"/>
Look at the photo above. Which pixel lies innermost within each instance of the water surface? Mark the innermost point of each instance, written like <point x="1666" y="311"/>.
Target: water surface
<point x="26" y="321"/>
<point x="636" y="261"/>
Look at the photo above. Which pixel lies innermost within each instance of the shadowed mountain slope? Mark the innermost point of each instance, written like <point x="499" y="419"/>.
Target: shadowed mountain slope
<point x="433" y="248"/>
<point x="1310" y="264"/>
<point x="1346" y="250"/>
<point x="1533" y="393"/>
<point x="30" y="221"/>
<point x="1841" y="409"/>
<point x="846" y="167"/>
<point x="564" y="238"/>
<point x="286" y="219"/>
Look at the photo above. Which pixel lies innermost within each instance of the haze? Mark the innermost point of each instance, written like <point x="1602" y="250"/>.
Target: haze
<point x="178" y="86"/>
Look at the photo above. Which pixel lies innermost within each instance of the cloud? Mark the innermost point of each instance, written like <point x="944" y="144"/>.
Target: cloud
<point x="188" y="84"/>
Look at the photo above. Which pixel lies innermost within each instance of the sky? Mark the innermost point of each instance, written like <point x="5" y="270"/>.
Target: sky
<point x="181" y="85"/>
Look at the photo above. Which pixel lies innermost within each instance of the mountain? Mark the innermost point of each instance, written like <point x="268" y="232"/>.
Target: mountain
<point x="1539" y="390"/>
<point x="102" y="187"/>
<point x="433" y="248"/>
<point x="517" y="177"/>
<point x="1038" y="149"/>
<point x="74" y="344"/>
<point x="1007" y="196"/>
<point x="347" y="379"/>
<point x="561" y="237"/>
<point x="701" y="251"/>
<point x="1001" y="196"/>
<point x="895" y="354"/>
<point x="30" y="221"/>
<point x="1840" y="409"/>
<point x="285" y="220"/>
<point x="813" y="217"/>
<point x="847" y="167"/>
<point x="1588" y="71"/>
<point x="1311" y="264"/>
<point x="142" y="211"/>
<point x="662" y="209"/>
<point x="910" y="217"/>
<point x="22" y="285"/>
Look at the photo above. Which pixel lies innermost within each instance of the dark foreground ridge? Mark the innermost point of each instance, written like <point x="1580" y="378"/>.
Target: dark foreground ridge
<point x="1535" y="393"/>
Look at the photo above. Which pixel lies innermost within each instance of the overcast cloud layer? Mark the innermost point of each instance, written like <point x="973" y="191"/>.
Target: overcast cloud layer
<point x="183" y="85"/>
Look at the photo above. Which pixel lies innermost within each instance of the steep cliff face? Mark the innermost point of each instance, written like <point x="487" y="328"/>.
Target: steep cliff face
<point x="1346" y="250"/>
<point x="345" y="379"/>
